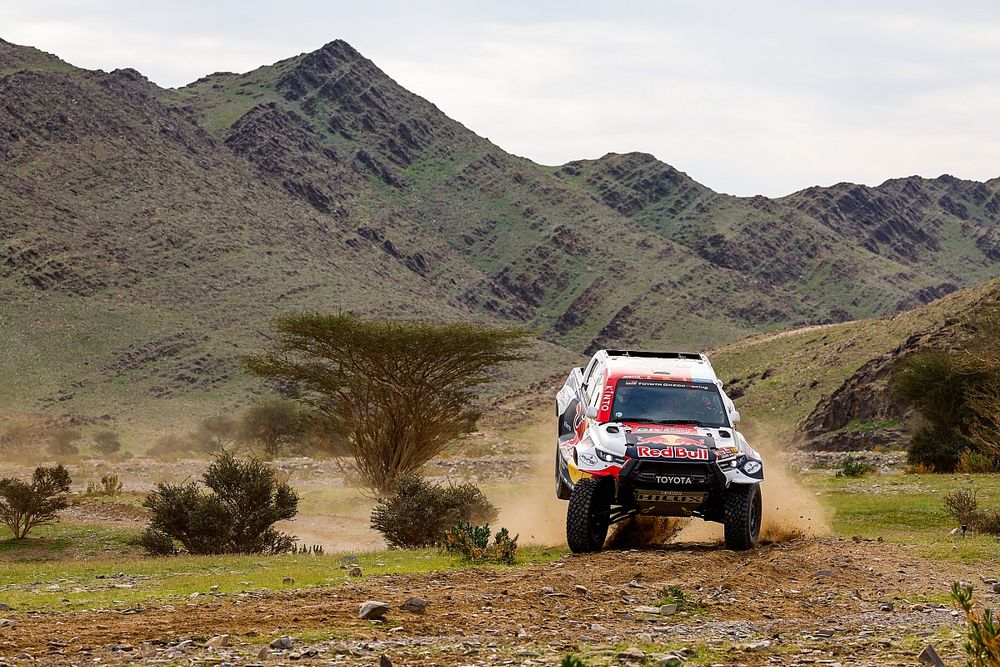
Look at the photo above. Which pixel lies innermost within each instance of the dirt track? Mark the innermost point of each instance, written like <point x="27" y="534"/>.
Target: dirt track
<point x="806" y="602"/>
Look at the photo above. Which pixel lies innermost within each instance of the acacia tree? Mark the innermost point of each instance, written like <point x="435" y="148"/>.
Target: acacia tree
<point x="394" y="393"/>
<point x="271" y="426"/>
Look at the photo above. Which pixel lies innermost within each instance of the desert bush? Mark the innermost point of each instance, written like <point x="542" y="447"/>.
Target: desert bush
<point x="215" y="434"/>
<point x="675" y="595"/>
<point x="25" y="505"/>
<point x="109" y="485"/>
<point x="473" y="544"/>
<point x="982" y="630"/>
<point x="397" y="392"/>
<point x="957" y="395"/>
<point x="246" y="500"/>
<point x="62" y="442"/>
<point x="16" y="440"/>
<point x="171" y="446"/>
<point x="974" y="462"/>
<point x="962" y="505"/>
<point x="271" y="426"/>
<point x="107" y="443"/>
<point x="572" y="661"/>
<point x="854" y="467"/>
<point x="419" y="513"/>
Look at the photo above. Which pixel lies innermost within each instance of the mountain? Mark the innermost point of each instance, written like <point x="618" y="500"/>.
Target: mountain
<point x="148" y="236"/>
<point x="826" y="387"/>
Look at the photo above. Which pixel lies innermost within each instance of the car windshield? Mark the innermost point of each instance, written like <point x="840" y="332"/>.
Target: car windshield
<point x="665" y="402"/>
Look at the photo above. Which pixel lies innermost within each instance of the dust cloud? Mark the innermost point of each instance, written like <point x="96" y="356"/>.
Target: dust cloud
<point x="534" y="512"/>
<point x="790" y="510"/>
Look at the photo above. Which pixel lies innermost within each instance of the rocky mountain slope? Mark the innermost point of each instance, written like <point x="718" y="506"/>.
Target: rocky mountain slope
<point x="826" y="387"/>
<point x="148" y="236"/>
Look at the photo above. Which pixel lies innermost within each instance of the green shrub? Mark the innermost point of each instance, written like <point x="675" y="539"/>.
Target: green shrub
<point x="572" y="661"/>
<point x="62" y="442"/>
<point x="237" y="517"/>
<point x="974" y="462"/>
<point x="271" y="426"/>
<point x="982" y="632"/>
<point x="24" y="506"/>
<point x="854" y="467"/>
<point x="110" y="485"/>
<point x="419" y="513"/>
<point x="675" y="595"/>
<point x="963" y="506"/>
<point x="473" y="544"/>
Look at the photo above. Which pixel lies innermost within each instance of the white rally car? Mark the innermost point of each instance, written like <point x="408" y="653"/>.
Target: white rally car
<point x="653" y="433"/>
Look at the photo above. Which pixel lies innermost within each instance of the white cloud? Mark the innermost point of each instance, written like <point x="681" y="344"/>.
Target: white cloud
<point x="747" y="97"/>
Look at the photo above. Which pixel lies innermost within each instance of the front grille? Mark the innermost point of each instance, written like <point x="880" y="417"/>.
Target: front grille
<point x="670" y="475"/>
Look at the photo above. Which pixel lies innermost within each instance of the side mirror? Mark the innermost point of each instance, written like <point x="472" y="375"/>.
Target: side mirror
<point x="734" y="416"/>
<point x="591" y="412"/>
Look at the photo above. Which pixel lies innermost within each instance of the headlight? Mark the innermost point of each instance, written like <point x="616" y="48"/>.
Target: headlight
<point x="608" y="457"/>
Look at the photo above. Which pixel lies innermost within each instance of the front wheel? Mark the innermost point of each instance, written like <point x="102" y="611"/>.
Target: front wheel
<point x="742" y="516"/>
<point x="589" y="515"/>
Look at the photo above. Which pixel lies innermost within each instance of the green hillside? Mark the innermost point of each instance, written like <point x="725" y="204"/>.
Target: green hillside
<point x="149" y="236"/>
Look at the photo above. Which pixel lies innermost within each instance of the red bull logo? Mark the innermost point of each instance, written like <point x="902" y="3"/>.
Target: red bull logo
<point x="698" y="454"/>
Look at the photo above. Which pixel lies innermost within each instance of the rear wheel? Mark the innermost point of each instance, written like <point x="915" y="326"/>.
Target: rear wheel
<point x="742" y="516"/>
<point x="589" y="515"/>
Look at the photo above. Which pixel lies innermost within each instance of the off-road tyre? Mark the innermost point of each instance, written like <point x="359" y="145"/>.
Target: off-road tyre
<point x="589" y="515"/>
<point x="742" y="513"/>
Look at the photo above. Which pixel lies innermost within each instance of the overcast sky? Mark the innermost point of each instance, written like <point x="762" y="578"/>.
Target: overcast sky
<point x="746" y="97"/>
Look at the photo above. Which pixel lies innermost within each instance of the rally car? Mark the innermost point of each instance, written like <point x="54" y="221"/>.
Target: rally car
<point x="653" y="433"/>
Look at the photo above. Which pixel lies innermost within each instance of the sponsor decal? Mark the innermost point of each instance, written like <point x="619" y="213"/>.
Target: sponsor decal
<point x="751" y="467"/>
<point x="673" y="479"/>
<point x="672" y="452"/>
<point x="588" y="459"/>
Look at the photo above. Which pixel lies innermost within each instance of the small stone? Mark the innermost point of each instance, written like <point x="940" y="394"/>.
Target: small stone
<point x="373" y="610"/>
<point x="288" y="580"/>
<point x="756" y="646"/>
<point x="4" y="607"/>
<point x="671" y="660"/>
<point x="218" y="641"/>
<point x="282" y="643"/>
<point x="384" y="661"/>
<point x="263" y="653"/>
<point x="635" y="584"/>
<point x="823" y="573"/>
<point x="214" y="588"/>
<point x="355" y="571"/>
<point x="184" y="645"/>
<point x="930" y="657"/>
<point x="597" y="627"/>
<point x="885" y="606"/>
<point x="632" y="654"/>
<point x="996" y="588"/>
<point x="548" y="590"/>
<point x="667" y="609"/>
<point x="4" y="622"/>
<point x="647" y="610"/>
<point x="415" y="605"/>
<point x="583" y="590"/>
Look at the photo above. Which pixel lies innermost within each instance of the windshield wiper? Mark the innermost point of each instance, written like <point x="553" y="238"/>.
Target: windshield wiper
<point x="692" y="422"/>
<point x="665" y="422"/>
